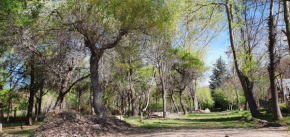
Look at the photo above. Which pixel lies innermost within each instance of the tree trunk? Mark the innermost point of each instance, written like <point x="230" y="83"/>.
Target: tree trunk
<point x="39" y="103"/>
<point x="59" y="102"/>
<point x="171" y="106"/>
<point x="282" y="89"/>
<point x="123" y="104"/>
<point x="245" y="82"/>
<point x="286" y="19"/>
<point x="31" y="94"/>
<point x="164" y="101"/>
<point x="99" y="108"/>
<point x="156" y="104"/>
<point x="133" y="94"/>
<point x="195" y="102"/>
<point x="9" y="109"/>
<point x="164" y="92"/>
<point x="272" y="41"/>
<point x="35" y="110"/>
<point x="238" y="99"/>
<point x="176" y="108"/>
<point x="190" y="109"/>
<point x="129" y="103"/>
<point x="182" y="102"/>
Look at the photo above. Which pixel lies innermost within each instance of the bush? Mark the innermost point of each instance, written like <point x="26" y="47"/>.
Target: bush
<point x="283" y="108"/>
<point x="204" y="98"/>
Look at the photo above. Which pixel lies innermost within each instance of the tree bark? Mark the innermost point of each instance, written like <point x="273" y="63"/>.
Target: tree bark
<point x="40" y="102"/>
<point x="182" y="102"/>
<point x="286" y="20"/>
<point x="238" y="99"/>
<point x="28" y="120"/>
<point x="99" y="108"/>
<point x="133" y="94"/>
<point x="176" y="108"/>
<point x="272" y="41"/>
<point x="195" y="102"/>
<point x="59" y="102"/>
<point x="35" y="110"/>
<point x="164" y="100"/>
<point x="247" y="85"/>
<point x="282" y="89"/>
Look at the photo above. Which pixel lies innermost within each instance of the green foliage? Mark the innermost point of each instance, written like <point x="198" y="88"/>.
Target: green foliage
<point x="225" y="97"/>
<point x="247" y="64"/>
<point x="221" y="99"/>
<point x="284" y="108"/>
<point x="204" y="97"/>
<point x="186" y="59"/>
<point x="218" y="74"/>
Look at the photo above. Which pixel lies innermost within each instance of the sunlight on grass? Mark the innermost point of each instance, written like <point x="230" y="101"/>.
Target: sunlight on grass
<point x="227" y="119"/>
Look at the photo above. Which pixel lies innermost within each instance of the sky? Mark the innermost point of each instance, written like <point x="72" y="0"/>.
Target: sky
<point x="217" y="48"/>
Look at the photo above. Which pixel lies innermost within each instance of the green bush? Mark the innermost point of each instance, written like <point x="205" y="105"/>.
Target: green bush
<point x="283" y="108"/>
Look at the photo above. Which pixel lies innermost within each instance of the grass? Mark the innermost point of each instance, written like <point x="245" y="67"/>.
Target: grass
<point x="14" y="124"/>
<point x="227" y="119"/>
<point x="14" y="129"/>
<point x="22" y="132"/>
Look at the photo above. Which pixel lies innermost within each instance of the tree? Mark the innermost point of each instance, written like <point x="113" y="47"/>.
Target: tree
<point x="218" y="74"/>
<point x="104" y="24"/>
<point x="272" y="66"/>
<point x="246" y="82"/>
<point x="185" y="65"/>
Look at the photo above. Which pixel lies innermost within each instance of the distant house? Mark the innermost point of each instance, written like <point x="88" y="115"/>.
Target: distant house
<point x="282" y="89"/>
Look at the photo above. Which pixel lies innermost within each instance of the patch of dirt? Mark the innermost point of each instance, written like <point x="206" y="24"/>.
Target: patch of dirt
<point x="69" y="123"/>
<point x="231" y="132"/>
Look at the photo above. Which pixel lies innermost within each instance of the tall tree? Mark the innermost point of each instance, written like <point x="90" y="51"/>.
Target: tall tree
<point x="218" y="74"/>
<point x="273" y="60"/>
<point x="104" y="24"/>
<point x="246" y="82"/>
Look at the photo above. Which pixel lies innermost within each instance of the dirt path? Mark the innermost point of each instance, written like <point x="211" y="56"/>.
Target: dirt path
<point x="237" y="132"/>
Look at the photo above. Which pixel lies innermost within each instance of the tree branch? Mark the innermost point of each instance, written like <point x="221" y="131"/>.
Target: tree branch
<point x="73" y="84"/>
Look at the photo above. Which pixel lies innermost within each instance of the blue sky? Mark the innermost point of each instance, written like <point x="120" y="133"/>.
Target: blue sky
<point x="217" y="48"/>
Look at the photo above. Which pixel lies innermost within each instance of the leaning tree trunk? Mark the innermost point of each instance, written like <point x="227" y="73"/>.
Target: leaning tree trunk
<point x="99" y="108"/>
<point x="182" y="102"/>
<point x="272" y="40"/>
<point x="248" y="88"/>
<point x="176" y="108"/>
<point x="59" y="101"/>
<point x="247" y="85"/>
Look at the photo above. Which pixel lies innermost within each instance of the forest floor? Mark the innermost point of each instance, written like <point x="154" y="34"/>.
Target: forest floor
<point x="215" y="124"/>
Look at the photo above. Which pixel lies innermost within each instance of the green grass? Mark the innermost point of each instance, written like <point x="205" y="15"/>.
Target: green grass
<point x="22" y="132"/>
<point x="227" y="119"/>
<point x="14" y="124"/>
